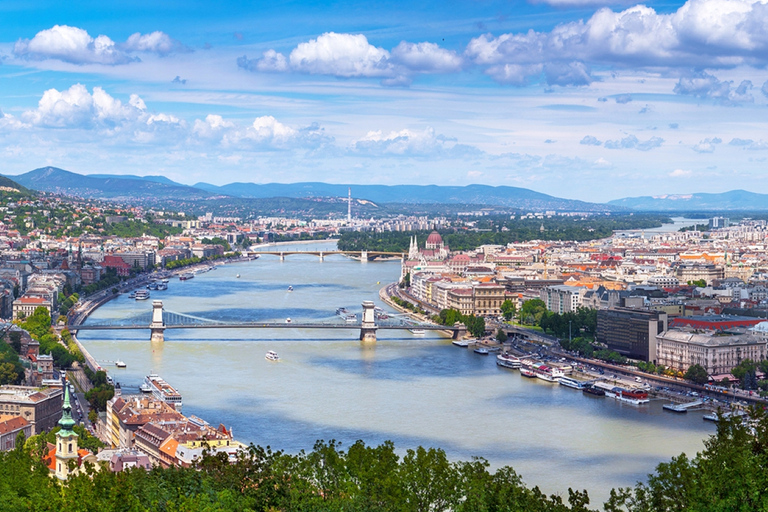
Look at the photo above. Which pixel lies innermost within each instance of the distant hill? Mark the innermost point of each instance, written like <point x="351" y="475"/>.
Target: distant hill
<point x="482" y="195"/>
<point x="8" y="186"/>
<point x="733" y="200"/>
<point x="155" y="189"/>
<point x="52" y="179"/>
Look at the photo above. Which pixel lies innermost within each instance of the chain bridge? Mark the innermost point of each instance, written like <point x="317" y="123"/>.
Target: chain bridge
<point x="158" y="321"/>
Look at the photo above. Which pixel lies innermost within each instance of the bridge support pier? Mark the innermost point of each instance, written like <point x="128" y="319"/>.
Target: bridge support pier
<point x="364" y="258"/>
<point x="459" y="331"/>
<point x="368" y="327"/>
<point x="322" y="256"/>
<point x="157" y="326"/>
<point x="282" y="256"/>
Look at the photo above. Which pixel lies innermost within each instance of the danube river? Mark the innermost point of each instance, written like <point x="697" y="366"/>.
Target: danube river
<point x="411" y="390"/>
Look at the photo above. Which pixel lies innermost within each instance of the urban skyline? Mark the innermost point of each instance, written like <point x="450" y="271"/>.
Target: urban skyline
<point x="584" y="100"/>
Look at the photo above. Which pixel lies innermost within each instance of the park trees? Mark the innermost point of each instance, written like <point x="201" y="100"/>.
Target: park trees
<point x="696" y="374"/>
<point x="508" y="309"/>
<point x="746" y="372"/>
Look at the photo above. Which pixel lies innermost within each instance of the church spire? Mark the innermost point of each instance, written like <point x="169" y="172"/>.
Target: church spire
<point x="66" y="422"/>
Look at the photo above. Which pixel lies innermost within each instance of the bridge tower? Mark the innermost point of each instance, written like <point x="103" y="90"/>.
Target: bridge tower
<point x="368" y="327"/>
<point x="157" y="326"/>
<point x="363" y="258"/>
<point x="322" y="256"/>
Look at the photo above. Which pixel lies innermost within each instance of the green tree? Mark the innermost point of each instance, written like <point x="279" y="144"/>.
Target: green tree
<point x="15" y="337"/>
<point x="501" y="336"/>
<point x="697" y="374"/>
<point x="508" y="309"/>
<point x="746" y="372"/>
<point x="532" y="311"/>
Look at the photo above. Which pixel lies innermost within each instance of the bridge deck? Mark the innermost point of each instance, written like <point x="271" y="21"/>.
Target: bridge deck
<point x="259" y="325"/>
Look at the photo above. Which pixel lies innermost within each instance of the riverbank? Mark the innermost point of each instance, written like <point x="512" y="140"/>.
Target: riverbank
<point x="386" y="297"/>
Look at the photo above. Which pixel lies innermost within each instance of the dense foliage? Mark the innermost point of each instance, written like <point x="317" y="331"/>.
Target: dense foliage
<point x="501" y="231"/>
<point x="11" y="370"/>
<point x="729" y="475"/>
<point x="101" y="392"/>
<point x="585" y="348"/>
<point x="109" y="279"/>
<point x="475" y="324"/>
<point x="39" y="327"/>
<point x="696" y="374"/>
<point x="581" y="322"/>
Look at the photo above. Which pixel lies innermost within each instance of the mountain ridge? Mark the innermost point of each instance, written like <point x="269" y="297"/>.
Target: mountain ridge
<point x="732" y="200"/>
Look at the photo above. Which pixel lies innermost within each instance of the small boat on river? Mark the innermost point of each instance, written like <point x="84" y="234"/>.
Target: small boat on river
<point x="272" y="356"/>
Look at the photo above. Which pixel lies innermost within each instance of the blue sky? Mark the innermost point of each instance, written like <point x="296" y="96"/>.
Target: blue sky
<point x="576" y="98"/>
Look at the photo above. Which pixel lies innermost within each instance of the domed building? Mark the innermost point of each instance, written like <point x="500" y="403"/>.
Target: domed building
<point x="434" y="249"/>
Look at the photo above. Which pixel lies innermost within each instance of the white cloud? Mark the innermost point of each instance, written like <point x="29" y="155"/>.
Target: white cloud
<point x="70" y="44"/>
<point x="352" y="56"/>
<point x="344" y="55"/>
<point x="154" y="42"/>
<point x="680" y="173"/>
<point x="212" y="126"/>
<point x="632" y="142"/>
<point x="76" y="46"/>
<point x="426" y="58"/>
<point x="704" y="33"/>
<point x="707" y="145"/>
<point x="589" y="140"/>
<point x="411" y="143"/>
<point x="705" y="85"/>
<point x="77" y="108"/>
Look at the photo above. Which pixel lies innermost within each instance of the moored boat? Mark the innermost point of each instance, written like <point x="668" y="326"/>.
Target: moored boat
<point x="162" y="390"/>
<point x="508" y="361"/>
<point x="527" y="372"/>
<point x="592" y="390"/>
<point x="120" y="364"/>
<point x="417" y="332"/>
<point x="541" y="370"/>
<point x="141" y="295"/>
<point x="482" y="351"/>
<point x="186" y="277"/>
<point x="272" y="356"/>
<point x="571" y="383"/>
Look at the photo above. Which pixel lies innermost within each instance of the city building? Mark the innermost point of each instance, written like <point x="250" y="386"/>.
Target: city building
<point x="631" y="332"/>
<point x="717" y="352"/>
<point x="41" y="407"/>
<point x="562" y="298"/>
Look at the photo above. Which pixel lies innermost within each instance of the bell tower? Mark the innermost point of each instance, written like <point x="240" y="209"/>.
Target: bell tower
<point x="66" y="440"/>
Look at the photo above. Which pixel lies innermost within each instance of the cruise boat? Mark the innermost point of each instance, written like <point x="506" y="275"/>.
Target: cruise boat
<point x="132" y="295"/>
<point x="141" y="295"/>
<point x="350" y="318"/>
<point x="418" y="332"/>
<point x="592" y="390"/>
<point x="272" y="356"/>
<point x="341" y="312"/>
<point x="541" y="370"/>
<point x="145" y="388"/>
<point x="527" y="372"/>
<point x="162" y="286"/>
<point x="508" y="361"/>
<point x="631" y="396"/>
<point x="571" y="383"/>
<point x="290" y="288"/>
<point x="163" y="391"/>
<point x="186" y="277"/>
<point x="482" y="351"/>
<point x="120" y="364"/>
<point x="461" y="343"/>
<point x="725" y="415"/>
<point x="152" y="286"/>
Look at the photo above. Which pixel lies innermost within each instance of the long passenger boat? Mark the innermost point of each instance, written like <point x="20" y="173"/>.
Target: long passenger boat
<point x="508" y="361"/>
<point x="541" y="370"/>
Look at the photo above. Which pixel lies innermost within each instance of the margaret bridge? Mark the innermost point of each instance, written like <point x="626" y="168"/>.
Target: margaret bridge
<point x="158" y="321"/>
<point x="362" y="255"/>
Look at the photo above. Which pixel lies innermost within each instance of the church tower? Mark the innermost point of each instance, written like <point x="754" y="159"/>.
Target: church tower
<point x="66" y="440"/>
<point x="413" y="250"/>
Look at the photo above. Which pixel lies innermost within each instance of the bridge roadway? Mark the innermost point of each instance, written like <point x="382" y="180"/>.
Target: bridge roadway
<point x="363" y="255"/>
<point x="258" y="325"/>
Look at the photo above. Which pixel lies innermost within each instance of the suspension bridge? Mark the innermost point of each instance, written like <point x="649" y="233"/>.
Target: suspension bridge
<point x="158" y="321"/>
<point x="362" y="255"/>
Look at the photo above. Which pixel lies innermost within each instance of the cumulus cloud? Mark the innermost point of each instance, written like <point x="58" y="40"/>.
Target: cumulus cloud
<point x="704" y="33"/>
<point x="352" y="56"/>
<point x="707" y="145"/>
<point x="632" y="142"/>
<point x="155" y="42"/>
<point x="680" y="173"/>
<point x="589" y="140"/>
<point x="407" y="142"/>
<point x="77" y="108"/>
<point x="705" y="85"/>
<point x="749" y="144"/>
<point x="76" y="46"/>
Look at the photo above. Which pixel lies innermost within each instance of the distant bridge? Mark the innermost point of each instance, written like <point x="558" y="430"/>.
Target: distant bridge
<point x="363" y="255"/>
<point x="158" y="320"/>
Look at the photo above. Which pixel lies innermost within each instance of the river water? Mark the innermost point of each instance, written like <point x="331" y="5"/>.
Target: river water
<point x="411" y="390"/>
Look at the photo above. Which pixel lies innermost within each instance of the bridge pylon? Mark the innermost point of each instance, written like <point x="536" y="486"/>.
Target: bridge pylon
<point x="363" y="258"/>
<point x="368" y="327"/>
<point x="157" y="325"/>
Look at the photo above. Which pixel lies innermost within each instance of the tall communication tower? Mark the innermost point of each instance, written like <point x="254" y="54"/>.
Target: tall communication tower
<point x="349" y="205"/>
